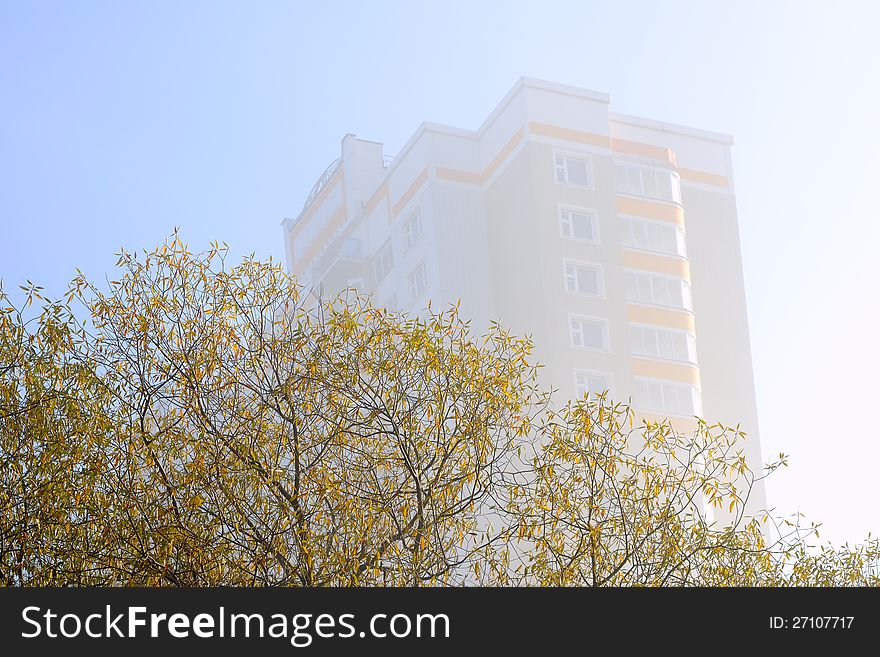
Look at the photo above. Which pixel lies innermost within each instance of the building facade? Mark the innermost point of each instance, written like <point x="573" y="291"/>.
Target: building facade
<point x="611" y="240"/>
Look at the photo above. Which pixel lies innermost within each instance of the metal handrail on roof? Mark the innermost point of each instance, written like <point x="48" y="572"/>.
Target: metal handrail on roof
<point x="320" y="184"/>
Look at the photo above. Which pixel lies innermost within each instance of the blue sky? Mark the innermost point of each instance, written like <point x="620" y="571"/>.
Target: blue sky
<point x="121" y="120"/>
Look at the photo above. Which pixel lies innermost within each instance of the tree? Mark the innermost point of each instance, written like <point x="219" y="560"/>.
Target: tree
<point x="197" y="423"/>
<point x="610" y="505"/>
<point x="218" y="429"/>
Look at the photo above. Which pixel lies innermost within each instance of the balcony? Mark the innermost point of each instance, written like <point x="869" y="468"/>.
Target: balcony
<point x="342" y="261"/>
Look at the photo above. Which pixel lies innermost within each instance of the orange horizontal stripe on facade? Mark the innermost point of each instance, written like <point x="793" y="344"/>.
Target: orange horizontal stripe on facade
<point x="656" y="263"/>
<point x="668" y="371"/>
<point x="338" y="217"/>
<point x="474" y="178"/>
<point x="660" y="317"/>
<point x="569" y="134"/>
<point x="644" y="150"/>
<point x="456" y="175"/>
<point x="377" y="197"/>
<point x="410" y="192"/>
<point x="503" y="154"/>
<point x="704" y="177"/>
<point x="650" y="209"/>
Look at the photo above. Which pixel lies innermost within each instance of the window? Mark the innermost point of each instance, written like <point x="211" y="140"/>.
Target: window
<point x="593" y="383"/>
<point x="583" y="278"/>
<point x="657" y="236"/>
<point x="647" y="181"/>
<point x="413" y="229"/>
<point x="579" y="224"/>
<point x="574" y="170"/>
<point x="384" y="261"/>
<point x="659" y="342"/>
<point x="658" y="290"/>
<point x="418" y="282"/>
<point x="668" y="397"/>
<point x="588" y="333"/>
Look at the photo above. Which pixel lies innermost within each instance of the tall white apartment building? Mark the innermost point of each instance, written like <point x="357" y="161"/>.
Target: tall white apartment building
<point x="612" y="240"/>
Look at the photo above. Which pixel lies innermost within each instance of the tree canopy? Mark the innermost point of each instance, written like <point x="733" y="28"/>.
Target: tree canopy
<point x="197" y="423"/>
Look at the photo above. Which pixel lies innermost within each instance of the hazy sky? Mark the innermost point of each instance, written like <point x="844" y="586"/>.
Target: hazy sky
<point x="121" y="120"/>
